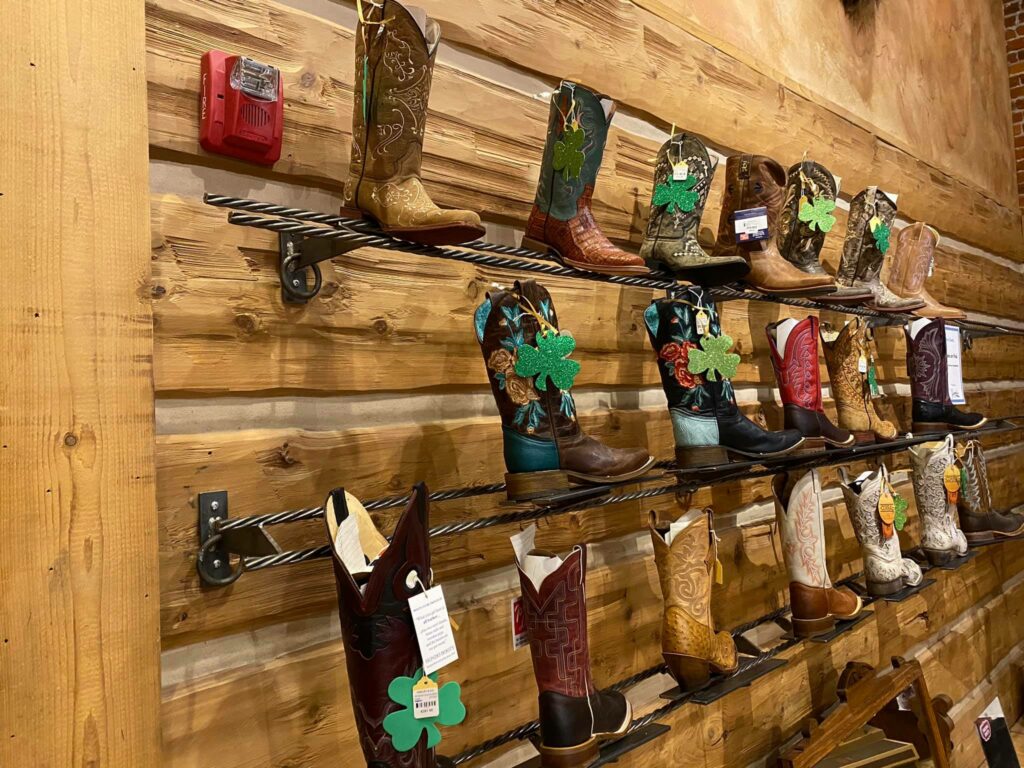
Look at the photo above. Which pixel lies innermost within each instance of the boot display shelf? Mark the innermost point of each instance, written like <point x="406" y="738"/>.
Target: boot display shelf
<point x="305" y="238"/>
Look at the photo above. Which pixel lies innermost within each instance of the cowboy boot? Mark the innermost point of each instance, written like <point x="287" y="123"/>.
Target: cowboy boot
<point x="373" y="581"/>
<point x="981" y="523"/>
<point x="574" y="716"/>
<point x="941" y="539"/>
<point x="933" y="411"/>
<point x="868" y="230"/>
<point x="885" y="569"/>
<point x="706" y="421"/>
<point x="815" y="603"/>
<point x="686" y="553"/>
<point x="796" y="370"/>
<point x="848" y="357"/>
<point x="682" y="178"/>
<point x="811" y="186"/>
<point x="561" y="221"/>
<point x="754" y="181"/>
<point x="395" y="50"/>
<point x="545" y="449"/>
<point x="913" y="262"/>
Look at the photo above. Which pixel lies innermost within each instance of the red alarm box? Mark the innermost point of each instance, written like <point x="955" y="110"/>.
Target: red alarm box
<point x="241" y="108"/>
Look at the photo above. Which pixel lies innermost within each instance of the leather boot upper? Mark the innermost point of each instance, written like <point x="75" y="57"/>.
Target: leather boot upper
<point x="915" y="255"/>
<point x="939" y="529"/>
<point x="843" y="350"/>
<point x="974" y="504"/>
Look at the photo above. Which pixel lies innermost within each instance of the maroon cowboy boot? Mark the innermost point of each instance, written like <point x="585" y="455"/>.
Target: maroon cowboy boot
<point x="574" y="716"/>
<point x="932" y="409"/>
<point x="799" y="377"/>
<point x="376" y="624"/>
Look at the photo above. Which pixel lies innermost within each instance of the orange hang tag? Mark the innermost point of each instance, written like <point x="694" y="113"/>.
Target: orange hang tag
<point x="887" y="513"/>
<point x="951" y="479"/>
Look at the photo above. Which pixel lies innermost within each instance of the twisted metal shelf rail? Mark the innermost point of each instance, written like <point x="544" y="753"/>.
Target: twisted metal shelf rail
<point x="365" y="233"/>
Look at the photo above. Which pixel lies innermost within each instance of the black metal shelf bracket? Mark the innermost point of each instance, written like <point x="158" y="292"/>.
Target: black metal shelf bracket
<point x="217" y="543"/>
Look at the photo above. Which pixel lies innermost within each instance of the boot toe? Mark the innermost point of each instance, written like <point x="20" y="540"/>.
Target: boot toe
<point x="843" y="603"/>
<point x="612" y="713"/>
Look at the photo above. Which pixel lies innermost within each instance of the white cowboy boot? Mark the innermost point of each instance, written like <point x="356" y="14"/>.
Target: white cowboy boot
<point x="942" y="541"/>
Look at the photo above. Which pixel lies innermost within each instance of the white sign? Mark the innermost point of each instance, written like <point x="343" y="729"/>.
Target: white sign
<point x="953" y="366"/>
<point x="433" y="630"/>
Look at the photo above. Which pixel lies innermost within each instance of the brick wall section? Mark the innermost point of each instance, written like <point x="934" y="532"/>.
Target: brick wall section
<point x="1013" y="15"/>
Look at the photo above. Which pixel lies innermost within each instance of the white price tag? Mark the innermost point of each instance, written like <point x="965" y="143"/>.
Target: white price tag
<point x="751" y="225"/>
<point x="680" y="171"/>
<point x="433" y="630"/>
<point x="519" y="636"/>
<point x="862" y="364"/>
<point x="955" y="373"/>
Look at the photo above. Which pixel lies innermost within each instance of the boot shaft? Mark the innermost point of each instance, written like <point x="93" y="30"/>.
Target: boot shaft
<point x="864" y="248"/>
<point x="686" y="564"/>
<point x="930" y="461"/>
<point x="807" y="183"/>
<point x="926" y="360"/>
<point x="578" y="124"/>
<point x="794" y="354"/>
<point x="912" y="262"/>
<point x="843" y="353"/>
<point x="751" y="181"/>
<point x="678" y="204"/>
<point x="975" y="494"/>
<point x="800" y="517"/>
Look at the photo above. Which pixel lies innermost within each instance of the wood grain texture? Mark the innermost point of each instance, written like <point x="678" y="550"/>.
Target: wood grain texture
<point x="79" y="655"/>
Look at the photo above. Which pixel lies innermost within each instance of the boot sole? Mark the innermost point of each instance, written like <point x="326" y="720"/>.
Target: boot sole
<point x="863" y="438"/>
<point x="883" y="588"/>
<point x="988" y="537"/>
<point x="691" y="457"/>
<point x="606" y="479"/>
<point x="817" y="290"/>
<point x="601" y="269"/>
<point x="892" y="311"/>
<point x="849" y="301"/>
<point x="582" y="754"/>
<point x="940" y="556"/>
<point x="440" y="234"/>
<point x="810" y="445"/>
<point x="942" y="427"/>
<point x="704" y="276"/>
<point x="523" y="486"/>
<point x="811" y="627"/>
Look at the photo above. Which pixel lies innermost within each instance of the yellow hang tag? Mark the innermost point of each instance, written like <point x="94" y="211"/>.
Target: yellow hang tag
<point x="719" y="575"/>
<point x="875" y="221"/>
<point x="455" y="624"/>
<point x="951" y="479"/>
<point x="702" y="323"/>
<point x="425" y="699"/>
<point x="887" y="513"/>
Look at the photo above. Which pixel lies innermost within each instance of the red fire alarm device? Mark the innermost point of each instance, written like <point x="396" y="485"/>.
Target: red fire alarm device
<point x="241" y="108"/>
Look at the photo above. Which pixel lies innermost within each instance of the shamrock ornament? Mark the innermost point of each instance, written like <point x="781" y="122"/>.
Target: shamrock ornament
<point x="568" y="157"/>
<point x="817" y="215"/>
<point x="714" y="358"/>
<point x="677" y="195"/>
<point x="405" y="729"/>
<point x="880" y="230"/>
<point x="901" y="511"/>
<point x="548" y="360"/>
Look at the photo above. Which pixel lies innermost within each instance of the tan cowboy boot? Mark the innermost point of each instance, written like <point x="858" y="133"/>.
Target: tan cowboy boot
<point x="394" y="61"/>
<point x="686" y="554"/>
<point x="915" y="255"/>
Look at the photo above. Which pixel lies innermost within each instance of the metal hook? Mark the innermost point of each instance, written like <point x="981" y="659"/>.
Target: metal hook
<point x="205" y="573"/>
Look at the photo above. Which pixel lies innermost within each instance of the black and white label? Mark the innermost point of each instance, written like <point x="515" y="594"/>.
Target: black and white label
<point x="425" y="699"/>
<point x="751" y="225"/>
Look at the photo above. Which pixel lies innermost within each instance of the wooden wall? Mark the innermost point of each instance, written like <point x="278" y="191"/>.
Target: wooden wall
<point x="379" y="382"/>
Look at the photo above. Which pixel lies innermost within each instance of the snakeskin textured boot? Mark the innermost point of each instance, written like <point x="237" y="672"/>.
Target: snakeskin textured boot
<point x="686" y="553"/>
<point x="885" y="569"/>
<point x="706" y="421"/>
<point x="530" y="372"/>
<point x="682" y="178"/>
<point x="395" y="49"/>
<point x="815" y="603"/>
<point x="561" y="221"/>
<point x="942" y="540"/>
<point x="913" y="262"/>
<point x="754" y="181"/>
<point x="805" y="220"/>
<point x="933" y="411"/>
<point x="373" y="581"/>
<point x="868" y="231"/>
<point x="849" y="357"/>
<point x="980" y="522"/>
<point x="574" y="716"/>
<point x="796" y="370"/>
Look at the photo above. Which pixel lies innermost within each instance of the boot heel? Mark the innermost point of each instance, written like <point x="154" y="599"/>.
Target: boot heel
<point x="690" y="456"/>
<point x="811" y="627"/>
<point x="691" y="673"/>
<point x="931" y="427"/>
<point x="569" y="757"/>
<point x="940" y="556"/>
<point x="537" y="245"/>
<point x="864" y="438"/>
<point x="522" y="486"/>
<point x="883" y="588"/>
<point x="351" y="213"/>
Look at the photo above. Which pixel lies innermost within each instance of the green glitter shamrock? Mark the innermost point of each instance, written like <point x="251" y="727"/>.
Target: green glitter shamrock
<point x="568" y="157"/>
<point x="817" y="215"/>
<point x="405" y="728"/>
<point x="677" y="195"/>
<point x="881" y="234"/>
<point x="714" y="357"/>
<point x="548" y="360"/>
<point x="900" y="504"/>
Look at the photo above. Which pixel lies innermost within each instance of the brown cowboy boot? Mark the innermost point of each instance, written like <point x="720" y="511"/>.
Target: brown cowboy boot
<point x="805" y="220"/>
<point x="373" y="581"/>
<point x="913" y="262"/>
<point x="394" y="62"/>
<point x="796" y="370"/>
<point x="686" y="554"/>
<point x="561" y="221"/>
<point x="682" y="178"/>
<point x="932" y="409"/>
<point x="981" y="523"/>
<point x="754" y="181"/>
<point x="815" y="603"/>
<point x="574" y="716"/>
<point x="848" y="356"/>
<point x="868" y="231"/>
<point x="545" y="449"/>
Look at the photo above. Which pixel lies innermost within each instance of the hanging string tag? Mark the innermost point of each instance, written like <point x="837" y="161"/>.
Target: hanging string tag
<point x="887" y="513"/>
<point x="680" y="171"/>
<point x="702" y="323"/>
<point x="425" y="699"/>
<point x="951" y="480"/>
<point x="862" y="363"/>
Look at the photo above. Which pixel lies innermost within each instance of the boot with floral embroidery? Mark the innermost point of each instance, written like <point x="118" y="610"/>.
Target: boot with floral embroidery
<point x="941" y="538"/>
<point x="395" y="48"/>
<point x="530" y="371"/>
<point x="561" y="220"/>
<point x="695" y="366"/>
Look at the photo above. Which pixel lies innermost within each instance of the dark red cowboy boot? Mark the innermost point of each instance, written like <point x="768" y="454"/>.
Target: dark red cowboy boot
<point x="574" y="716"/>
<point x="932" y="409"/>
<point x="376" y="625"/>
<point x="796" y="370"/>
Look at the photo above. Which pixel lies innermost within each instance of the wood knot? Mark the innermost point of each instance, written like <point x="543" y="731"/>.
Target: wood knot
<point x="247" y="323"/>
<point x="307" y="79"/>
<point x="380" y="325"/>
